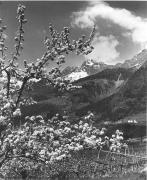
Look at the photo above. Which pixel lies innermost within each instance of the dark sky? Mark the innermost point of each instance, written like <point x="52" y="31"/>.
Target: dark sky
<point x="40" y="14"/>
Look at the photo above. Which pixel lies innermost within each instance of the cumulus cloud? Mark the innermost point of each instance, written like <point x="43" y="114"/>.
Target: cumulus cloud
<point x="135" y="25"/>
<point x="104" y="49"/>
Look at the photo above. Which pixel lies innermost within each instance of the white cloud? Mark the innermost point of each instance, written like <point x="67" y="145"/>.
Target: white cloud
<point x="135" y="25"/>
<point x="104" y="49"/>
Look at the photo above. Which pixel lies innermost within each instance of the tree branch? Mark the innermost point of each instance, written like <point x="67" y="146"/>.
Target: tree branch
<point x="25" y="79"/>
<point x="8" y="83"/>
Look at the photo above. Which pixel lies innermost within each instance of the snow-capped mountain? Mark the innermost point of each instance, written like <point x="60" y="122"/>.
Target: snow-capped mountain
<point x="136" y="62"/>
<point x="90" y="67"/>
<point x="76" y="75"/>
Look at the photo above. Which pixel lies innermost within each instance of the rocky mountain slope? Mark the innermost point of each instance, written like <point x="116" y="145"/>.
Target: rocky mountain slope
<point x="112" y="93"/>
<point x="136" y="62"/>
<point x="129" y="98"/>
<point x="90" y="67"/>
<point x="99" y="86"/>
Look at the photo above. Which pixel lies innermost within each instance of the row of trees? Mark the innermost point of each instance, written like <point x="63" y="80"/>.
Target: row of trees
<point x="28" y="149"/>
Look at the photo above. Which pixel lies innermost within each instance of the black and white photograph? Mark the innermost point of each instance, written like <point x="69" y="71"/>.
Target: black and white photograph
<point x="73" y="90"/>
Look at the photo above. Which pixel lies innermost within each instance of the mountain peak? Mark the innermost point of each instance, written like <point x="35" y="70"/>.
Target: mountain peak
<point x="137" y="61"/>
<point x="90" y="66"/>
<point x="76" y="75"/>
<point x="91" y="62"/>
